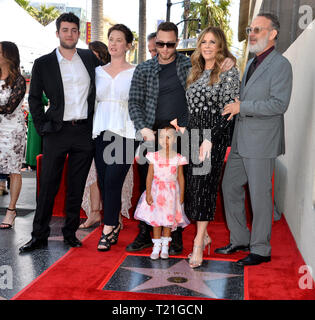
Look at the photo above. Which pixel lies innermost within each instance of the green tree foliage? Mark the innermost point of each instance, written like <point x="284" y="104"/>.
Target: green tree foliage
<point x="44" y="15"/>
<point x="210" y="13"/>
<point x="27" y="7"/>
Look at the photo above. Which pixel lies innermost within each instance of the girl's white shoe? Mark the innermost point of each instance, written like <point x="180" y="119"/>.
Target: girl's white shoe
<point x="165" y="242"/>
<point x="156" y="249"/>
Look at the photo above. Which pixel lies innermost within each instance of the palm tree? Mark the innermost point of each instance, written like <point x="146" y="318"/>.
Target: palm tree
<point x="186" y="16"/>
<point x="142" y="30"/>
<point x="27" y="7"/>
<point x="210" y="13"/>
<point x="97" y="29"/>
<point x="45" y="15"/>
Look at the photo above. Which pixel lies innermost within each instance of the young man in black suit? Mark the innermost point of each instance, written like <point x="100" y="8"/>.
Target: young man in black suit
<point x="67" y="77"/>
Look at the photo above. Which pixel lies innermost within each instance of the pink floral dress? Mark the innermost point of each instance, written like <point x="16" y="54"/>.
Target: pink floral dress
<point x="166" y="209"/>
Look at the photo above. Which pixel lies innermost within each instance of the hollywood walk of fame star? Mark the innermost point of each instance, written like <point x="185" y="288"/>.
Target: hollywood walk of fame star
<point x="182" y="275"/>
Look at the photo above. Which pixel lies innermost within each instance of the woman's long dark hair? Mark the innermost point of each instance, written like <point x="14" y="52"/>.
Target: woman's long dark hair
<point x="10" y="53"/>
<point x="101" y="49"/>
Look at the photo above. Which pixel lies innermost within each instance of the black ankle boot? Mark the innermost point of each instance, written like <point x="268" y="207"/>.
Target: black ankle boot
<point x="143" y="239"/>
<point x="176" y="246"/>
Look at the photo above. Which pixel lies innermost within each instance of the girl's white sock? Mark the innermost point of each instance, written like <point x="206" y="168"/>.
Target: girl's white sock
<point x="156" y="249"/>
<point x="165" y="242"/>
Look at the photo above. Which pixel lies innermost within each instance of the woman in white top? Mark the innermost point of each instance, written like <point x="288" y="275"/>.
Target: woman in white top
<point x="113" y="131"/>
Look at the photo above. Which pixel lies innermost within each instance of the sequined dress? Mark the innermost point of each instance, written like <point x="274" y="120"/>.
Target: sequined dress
<point x="205" y="104"/>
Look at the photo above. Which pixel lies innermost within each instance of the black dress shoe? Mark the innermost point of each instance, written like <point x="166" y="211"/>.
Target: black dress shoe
<point x="231" y="249"/>
<point x="253" y="259"/>
<point x="34" y="244"/>
<point x="143" y="239"/>
<point x="73" y="242"/>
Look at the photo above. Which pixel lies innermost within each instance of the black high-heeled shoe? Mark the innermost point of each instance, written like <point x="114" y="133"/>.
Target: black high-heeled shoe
<point x="105" y="241"/>
<point x="115" y="234"/>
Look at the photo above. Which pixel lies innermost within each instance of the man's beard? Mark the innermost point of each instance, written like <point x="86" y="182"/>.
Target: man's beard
<point x="66" y="46"/>
<point x="167" y="57"/>
<point x="260" y="45"/>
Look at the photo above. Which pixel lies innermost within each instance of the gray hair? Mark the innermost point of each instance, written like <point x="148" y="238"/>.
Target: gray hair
<point x="151" y="36"/>
<point x="275" y="23"/>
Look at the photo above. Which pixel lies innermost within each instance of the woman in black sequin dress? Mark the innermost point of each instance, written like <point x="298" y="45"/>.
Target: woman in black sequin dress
<point x="208" y="91"/>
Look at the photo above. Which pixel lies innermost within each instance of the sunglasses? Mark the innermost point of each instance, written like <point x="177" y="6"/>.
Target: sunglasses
<point x="169" y="45"/>
<point x="255" y="30"/>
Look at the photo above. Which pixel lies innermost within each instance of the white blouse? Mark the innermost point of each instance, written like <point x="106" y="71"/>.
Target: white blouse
<point x="111" y="110"/>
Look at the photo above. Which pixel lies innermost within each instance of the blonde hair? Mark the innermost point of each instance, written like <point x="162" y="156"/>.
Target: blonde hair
<point x="198" y="62"/>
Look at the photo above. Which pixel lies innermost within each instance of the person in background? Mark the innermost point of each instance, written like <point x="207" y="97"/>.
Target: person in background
<point x="151" y="44"/>
<point x="34" y="140"/>
<point x="3" y="184"/>
<point x="12" y="128"/>
<point x="100" y="49"/>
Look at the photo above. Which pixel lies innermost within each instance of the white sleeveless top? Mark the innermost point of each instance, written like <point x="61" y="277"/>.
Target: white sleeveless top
<point x="111" y="109"/>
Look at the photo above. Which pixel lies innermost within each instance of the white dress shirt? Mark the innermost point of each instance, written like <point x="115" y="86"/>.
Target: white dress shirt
<point x="76" y="84"/>
<point x="111" y="111"/>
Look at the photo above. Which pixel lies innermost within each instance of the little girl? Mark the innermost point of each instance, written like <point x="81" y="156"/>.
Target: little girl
<point x="161" y="205"/>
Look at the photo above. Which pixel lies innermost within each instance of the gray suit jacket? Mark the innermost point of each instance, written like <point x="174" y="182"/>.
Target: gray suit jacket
<point x="259" y="127"/>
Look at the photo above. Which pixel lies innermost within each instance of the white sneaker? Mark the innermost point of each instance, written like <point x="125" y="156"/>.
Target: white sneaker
<point x="156" y="249"/>
<point x="165" y="242"/>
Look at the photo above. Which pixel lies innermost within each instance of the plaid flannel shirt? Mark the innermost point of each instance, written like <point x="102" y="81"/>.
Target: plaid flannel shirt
<point x="144" y="90"/>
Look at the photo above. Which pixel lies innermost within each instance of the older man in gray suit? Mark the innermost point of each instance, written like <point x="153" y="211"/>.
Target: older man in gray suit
<point x="257" y="141"/>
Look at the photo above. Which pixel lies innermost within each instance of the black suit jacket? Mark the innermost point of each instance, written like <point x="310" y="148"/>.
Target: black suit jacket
<point x="46" y="77"/>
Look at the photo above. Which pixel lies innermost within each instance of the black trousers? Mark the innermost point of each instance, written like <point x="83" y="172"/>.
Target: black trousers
<point x="76" y="142"/>
<point x="113" y="158"/>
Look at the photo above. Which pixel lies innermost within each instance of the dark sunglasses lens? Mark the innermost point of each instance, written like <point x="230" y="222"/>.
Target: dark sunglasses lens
<point x="168" y="44"/>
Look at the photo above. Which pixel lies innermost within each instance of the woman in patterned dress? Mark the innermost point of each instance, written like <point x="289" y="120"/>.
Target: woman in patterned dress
<point x="12" y="124"/>
<point x="208" y="91"/>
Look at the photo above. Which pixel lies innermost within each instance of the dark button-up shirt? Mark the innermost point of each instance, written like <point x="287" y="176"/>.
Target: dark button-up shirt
<point x="144" y="90"/>
<point x="263" y="56"/>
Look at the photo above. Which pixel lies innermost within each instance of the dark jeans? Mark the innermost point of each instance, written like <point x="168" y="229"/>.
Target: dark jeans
<point x="113" y="157"/>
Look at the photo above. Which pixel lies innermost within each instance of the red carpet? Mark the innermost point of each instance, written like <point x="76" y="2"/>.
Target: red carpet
<point x="80" y="273"/>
